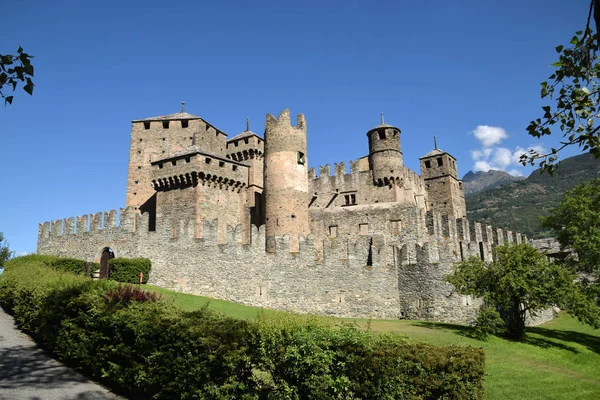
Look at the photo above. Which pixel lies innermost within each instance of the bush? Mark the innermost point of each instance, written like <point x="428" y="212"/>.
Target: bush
<point x="147" y="348"/>
<point x="127" y="270"/>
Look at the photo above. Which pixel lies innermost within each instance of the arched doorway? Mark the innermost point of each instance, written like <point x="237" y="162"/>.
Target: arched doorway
<point x="107" y="254"/>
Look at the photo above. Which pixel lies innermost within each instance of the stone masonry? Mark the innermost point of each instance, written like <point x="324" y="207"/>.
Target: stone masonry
<point x="244" y="219"/>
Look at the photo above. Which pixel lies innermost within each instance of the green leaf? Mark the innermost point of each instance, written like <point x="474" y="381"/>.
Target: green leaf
<point x="28" y="87"/>
<point x="556" y="64"/>
<point x="559" y="48"/>
<point x="8" y="100"/>
<point x="20" y="50"/>
<point x="585" y="90"/>
<point x="574" y="40"/>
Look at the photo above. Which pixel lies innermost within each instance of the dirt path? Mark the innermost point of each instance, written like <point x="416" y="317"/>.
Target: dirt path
<point x="28" y="373"/>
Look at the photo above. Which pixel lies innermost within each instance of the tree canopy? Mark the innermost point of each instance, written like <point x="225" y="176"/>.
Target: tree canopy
<point x="574" y="91"/>
<point x="520" y="282"/>
<point x="5" y="252"/>
<point x="15" y="69"/>
<point x="576" y="225"/>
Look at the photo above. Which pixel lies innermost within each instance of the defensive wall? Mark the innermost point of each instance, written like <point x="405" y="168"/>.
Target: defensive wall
<point x="384" y="271"/>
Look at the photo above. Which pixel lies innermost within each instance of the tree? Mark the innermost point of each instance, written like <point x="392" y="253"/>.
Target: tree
<point x="5" y="252"/>
<point x="576" y="224"/>
<point x="14" y="69"/>
<point x="574" y="88"/>
<point x="521" y="281"/>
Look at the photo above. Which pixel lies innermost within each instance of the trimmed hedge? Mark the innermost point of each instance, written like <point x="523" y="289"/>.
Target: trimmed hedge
<point x="148" y="348"/>
<point x="128" y="270"/>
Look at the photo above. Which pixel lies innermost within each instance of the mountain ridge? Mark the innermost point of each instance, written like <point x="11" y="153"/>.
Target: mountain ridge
<point x="518" y="205"/>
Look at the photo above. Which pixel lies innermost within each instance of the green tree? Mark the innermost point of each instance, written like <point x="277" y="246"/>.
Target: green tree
<point x="574" y="89"/>
<point x="5" y="252"/>
<point x="15" y="69"/>
<point x="521" y="281"/>
<point x="576" y="224"/>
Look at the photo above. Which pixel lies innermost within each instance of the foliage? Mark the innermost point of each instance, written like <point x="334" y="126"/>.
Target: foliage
<point x="574" y="91"/>
<point x="520" y="282"/>
<point x="128" y="270"/>
<point x="151" y="349"/>
<point x="518" y="206"/>
<point x="489" y="322"/>
<point x="129" y="293"/>
<point x="576" y="225"/>
<point x="5" y="252"/>
<point x="14" y="69"/>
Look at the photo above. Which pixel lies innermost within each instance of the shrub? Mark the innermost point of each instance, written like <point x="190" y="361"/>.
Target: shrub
<point x="129" y="293"/>
<point x="127" y="270"/>
<point x="72" y="265"/>
<point x="147" y="348"/>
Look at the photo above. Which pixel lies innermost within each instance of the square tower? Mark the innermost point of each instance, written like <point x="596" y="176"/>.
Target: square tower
<point x="444" y="189"/>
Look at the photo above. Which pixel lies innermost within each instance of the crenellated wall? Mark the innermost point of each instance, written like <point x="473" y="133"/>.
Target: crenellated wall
<point x="389" y="271"/>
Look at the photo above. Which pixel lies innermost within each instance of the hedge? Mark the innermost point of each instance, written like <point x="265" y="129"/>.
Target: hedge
<point x="128" y="269"/>
<point x="147" y="348"/>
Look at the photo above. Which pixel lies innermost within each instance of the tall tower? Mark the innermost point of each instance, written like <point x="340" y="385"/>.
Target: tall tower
<point x="285" y="178"/>
<point x="445" y="190"/>
<point x="385" y="153"/>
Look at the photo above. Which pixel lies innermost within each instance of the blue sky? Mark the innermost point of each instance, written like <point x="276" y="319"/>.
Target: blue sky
<point x="466" y="71"/>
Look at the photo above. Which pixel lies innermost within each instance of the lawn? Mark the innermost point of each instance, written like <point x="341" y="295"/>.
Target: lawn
<point x="558" y="360"/>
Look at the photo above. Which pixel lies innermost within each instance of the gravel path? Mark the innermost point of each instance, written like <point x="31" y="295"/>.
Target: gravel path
<point x="28" y="373"/>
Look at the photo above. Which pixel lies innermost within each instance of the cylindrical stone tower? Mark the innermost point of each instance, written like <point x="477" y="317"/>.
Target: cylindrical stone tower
<point x="385" y="153"/>
<point x="285" y="179"/>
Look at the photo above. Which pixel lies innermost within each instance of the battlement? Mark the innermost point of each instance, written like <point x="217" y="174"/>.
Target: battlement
<point x="284" y="121"/>
<point x="188" y="170"/>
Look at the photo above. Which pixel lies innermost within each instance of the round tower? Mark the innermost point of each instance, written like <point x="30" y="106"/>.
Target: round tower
<point x="385" y="153"/>
<point x="285" y="179"/>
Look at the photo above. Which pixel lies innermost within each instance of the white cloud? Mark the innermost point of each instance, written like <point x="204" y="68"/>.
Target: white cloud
<point x="489" y="136"/>
<point x="515" y="172"/>
<point x="502" y="158"/>
<point x="490" y="156"/>
<point x="482" y="166"/>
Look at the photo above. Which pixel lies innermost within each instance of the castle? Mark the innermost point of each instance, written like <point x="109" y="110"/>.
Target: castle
<point x="244" y="219"/>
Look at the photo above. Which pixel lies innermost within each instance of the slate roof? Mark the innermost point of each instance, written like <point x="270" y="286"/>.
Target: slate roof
<point x="244" y="134"/>
<point x="170" y="117"/>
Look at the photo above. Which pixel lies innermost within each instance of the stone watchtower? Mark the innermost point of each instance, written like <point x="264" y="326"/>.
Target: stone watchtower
<point x="444" y="189"/>
<point x="385" y="153"/>
<point x="285" y="179"/>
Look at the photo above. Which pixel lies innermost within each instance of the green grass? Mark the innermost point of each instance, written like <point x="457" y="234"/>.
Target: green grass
<point x="558" y="360"/>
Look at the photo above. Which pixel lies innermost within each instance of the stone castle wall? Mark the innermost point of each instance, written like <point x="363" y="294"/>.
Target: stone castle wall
<point x="376" y="274"/>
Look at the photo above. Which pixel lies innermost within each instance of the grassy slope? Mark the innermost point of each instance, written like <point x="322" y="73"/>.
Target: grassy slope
<point x="559" y="360"/>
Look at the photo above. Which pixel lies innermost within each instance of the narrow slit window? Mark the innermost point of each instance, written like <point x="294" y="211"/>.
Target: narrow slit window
<point x="301" y="158"/>
<point x="165" y="124"/>
<point x="381" y="135"/>
<point x="427" y="164"/>
<point x="147" y="125"/>
<point x="440" y="161"/>
<point x="184" y="123"/>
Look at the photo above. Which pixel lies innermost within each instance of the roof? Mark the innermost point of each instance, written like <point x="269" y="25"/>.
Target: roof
<point x="193" y="150"/>
<point x="244" y="134"/>
<point x="170" y="117"/>
<point x="436" y="152"/>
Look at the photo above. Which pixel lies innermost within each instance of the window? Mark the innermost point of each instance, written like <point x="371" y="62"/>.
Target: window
<point x="165" y="124"/>
<point x="349" y="199"/>
<point x="246" y="140"/>
<point x="187" y="160"/>
<point x="427" y="164"/>
<point x="301" y="158"/>
<point x="160" y="166"/>
<point x="174" y="162"/>
<point x="235" y="143"/>
<point x="221" y="163"/>
<point x="381" y="135"/>
<point x="234" y="167"/>
<point x="440" y="161"/>
<point x="147" y="125"/>
<point x="208" y="160"/>
<point x="333" y="231"/>
<point x="184" y="123"/>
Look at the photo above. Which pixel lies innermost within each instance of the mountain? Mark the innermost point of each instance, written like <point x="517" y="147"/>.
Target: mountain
<point x="518" y="205"/>
<point x="474" y="182"/>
